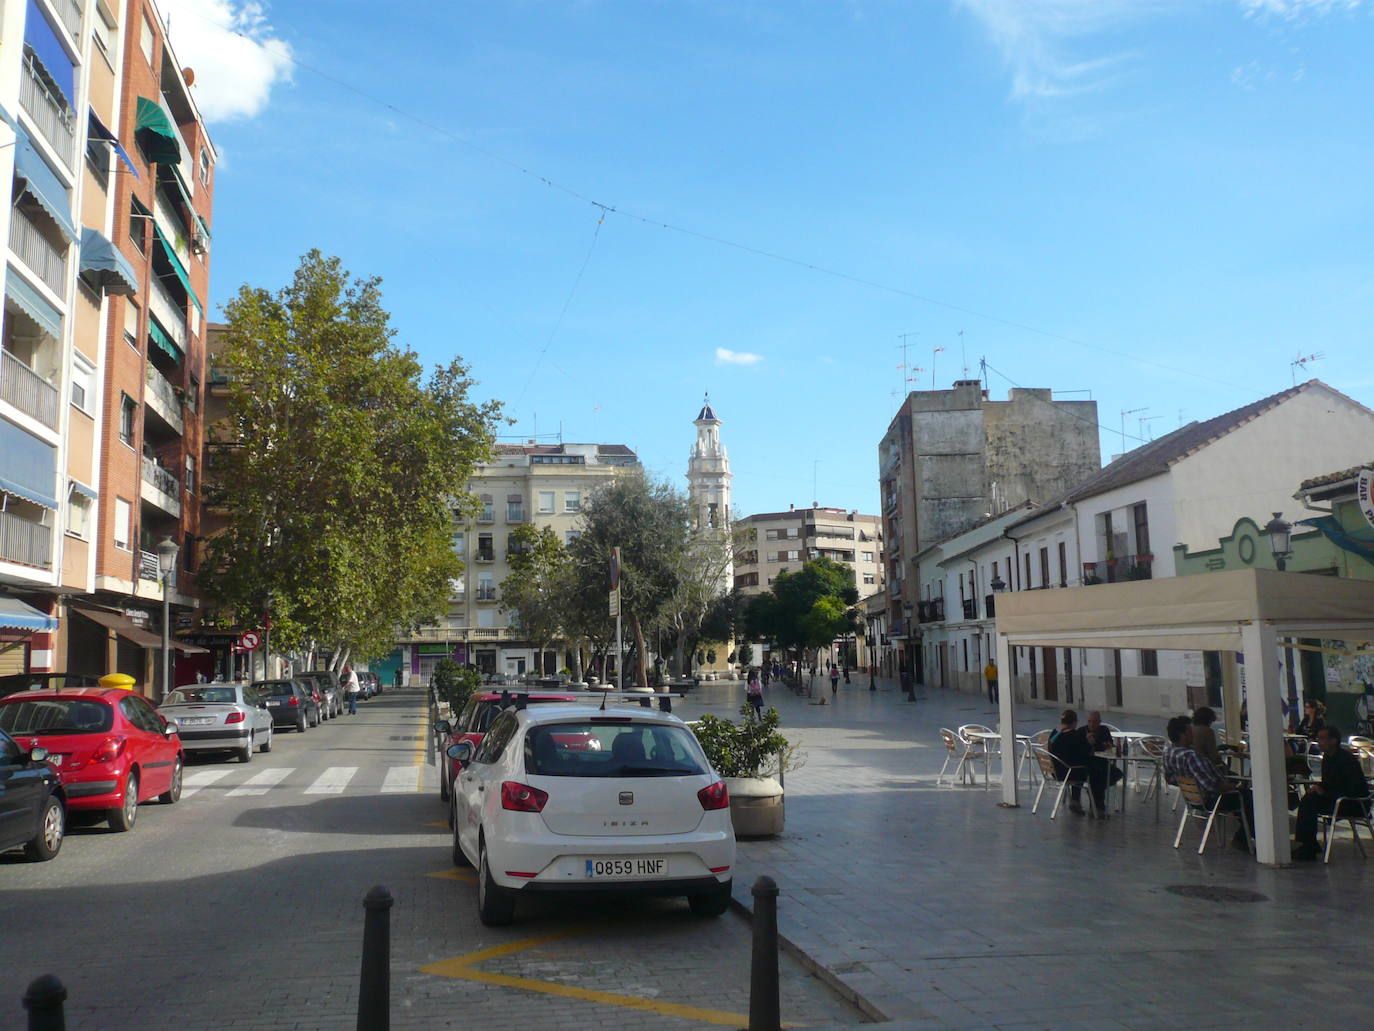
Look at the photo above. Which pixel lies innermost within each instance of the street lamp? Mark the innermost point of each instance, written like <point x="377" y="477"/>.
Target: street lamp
<point x="166" y="565"/>
<point x="1280" y="539"/>
<point x="910" y="684"/>
<point x="872" y="653"/>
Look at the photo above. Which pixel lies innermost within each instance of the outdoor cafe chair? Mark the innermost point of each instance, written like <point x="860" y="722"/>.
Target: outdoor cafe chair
<point x="1040" y="737"/>
<point x="959" y="751"/>
<point x="1049" y="771"/>
<point x="1154" y="747"/>
<point x="1195" y="807"/>
<point x="1354" y="811"/>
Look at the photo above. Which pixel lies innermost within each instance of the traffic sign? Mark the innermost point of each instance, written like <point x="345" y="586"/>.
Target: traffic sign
<point x="615" y="601"/>
<point x="249" y="640"/>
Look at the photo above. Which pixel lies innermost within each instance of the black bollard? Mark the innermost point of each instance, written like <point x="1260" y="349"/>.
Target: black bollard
<point x="764" y="1011"/>
<point x="374" y="986"/>
<point x="44" y="1000"/>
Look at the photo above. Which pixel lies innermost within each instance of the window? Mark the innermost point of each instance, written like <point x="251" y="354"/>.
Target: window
<point x="79" y="515"/>
<point x="515" y="508"/>
<point x="205" y="166"/>
<point x="146" y="40"/>
<point x="571" y="535"/>
<point x="486" y="548"/>
<point x="488" y="513"/>
<point x="193" y="395"/>
<point x="546" y="499"/>
<point x="138" y="224"/>
<point x="1142" y="529"/>
<point x="572" y="501"/>
<point x="1063" y="565"/>
<point x="82" y="385"/>
<point x="486" y="587"/>
<point x="122" y="513"/>
<point x="103" y="34"/>
<point x="1044" y="567"/>
<point x="1149" y="663"/>
<point x="869" y="578"/>
<point x="868" y="556"/>
<point x="190" y="474"/>
<point x="460" y="544"/>
<point x="131" y="324"/>
<point x="1026" y="584"/>
<point x="127" y="408"/>
<point x="195" y="320"/>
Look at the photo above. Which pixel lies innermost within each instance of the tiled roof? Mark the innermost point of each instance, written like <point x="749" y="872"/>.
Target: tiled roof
<point x="1329" y="478"/>
<point x="707" y="413"/>
<point x="614" y="449"/>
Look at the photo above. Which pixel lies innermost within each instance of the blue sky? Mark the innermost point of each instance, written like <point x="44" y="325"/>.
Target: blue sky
<point x="1161" y="201"/>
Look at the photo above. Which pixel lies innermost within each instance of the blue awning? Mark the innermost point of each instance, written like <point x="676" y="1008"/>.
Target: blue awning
<point x="103" y="265"/>
<point x="80" y="488"/>
<point x="41" y="38"/>
<point x="48" y="318"/>
<point x="100" y="131"/>
<point x="41" y="183"/>
<point x="30" y="467"/>
<point x="16" y="615"/>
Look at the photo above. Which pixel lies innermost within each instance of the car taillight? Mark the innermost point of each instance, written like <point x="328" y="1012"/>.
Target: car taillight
<point x="522" y="798"/>
<point x="234" y="717"/>
<point x="294" y="701"/>
<point x="108" y="750"/>
<point x="714" y="796"/>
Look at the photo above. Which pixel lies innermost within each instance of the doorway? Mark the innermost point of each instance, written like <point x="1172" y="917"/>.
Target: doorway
<point x="1051" y="677"/>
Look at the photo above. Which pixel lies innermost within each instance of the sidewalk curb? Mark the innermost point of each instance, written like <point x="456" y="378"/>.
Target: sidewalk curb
<point x="820" y="971"/>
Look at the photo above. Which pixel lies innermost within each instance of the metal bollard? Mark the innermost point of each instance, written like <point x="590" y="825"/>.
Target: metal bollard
<point x="764" y="1011"/>
<point x="374" y="986"/>
<point x="44" y="1000"/>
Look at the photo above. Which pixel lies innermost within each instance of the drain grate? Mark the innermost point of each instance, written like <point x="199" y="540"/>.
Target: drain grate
<point x="1209" y="893"/>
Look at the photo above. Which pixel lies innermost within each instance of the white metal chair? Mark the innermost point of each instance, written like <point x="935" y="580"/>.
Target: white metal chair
<point x="958" y="751"/>
<point x="1354" y="811"/>
<point x="1049" y="771"/>
<point x="1195" y="807"/>
<point x="1041" y="738"/>
<point x="1154" y="746"/>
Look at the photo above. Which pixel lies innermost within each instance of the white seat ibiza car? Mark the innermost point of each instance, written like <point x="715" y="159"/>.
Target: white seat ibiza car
<point x="562" y="798"/>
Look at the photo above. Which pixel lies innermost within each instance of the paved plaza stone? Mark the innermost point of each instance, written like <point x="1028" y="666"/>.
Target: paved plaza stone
<point x="935" y="908"/>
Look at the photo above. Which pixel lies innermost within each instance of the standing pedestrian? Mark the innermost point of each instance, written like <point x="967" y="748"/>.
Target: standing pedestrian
<point x="834" y="679"/>
<point x="846" y="673"/>
<point x="990" y="675"/>
<point x="754" y="692"/>
<point x="399" y="677"/>
<point x="351" y="688"/>
<point x="763" y="674"/>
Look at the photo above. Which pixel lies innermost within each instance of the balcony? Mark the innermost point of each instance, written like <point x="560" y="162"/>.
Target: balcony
<point x="484" y="556"/>
<point x="486" y="594"/>
<point x="970" y="607"/>
<point x="161" y="488"/>
<point x="487" y="515"/>
<point x="931" y="611"/>
<point x="24" y="542"/>
<point x="52" y="114"/>
<point x="47" y="262"/>
<point x="162" y="398"/>
<point x="27" y="391"/>
<point x="1119" y="569"/>
<point x="170" y="315"/>
<point x="148" y="569"/>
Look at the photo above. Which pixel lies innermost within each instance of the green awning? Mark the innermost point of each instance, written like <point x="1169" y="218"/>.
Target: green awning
<point x="156" y="134"/>
<point x="177" y="266"/>
<point x="159" y="336"/>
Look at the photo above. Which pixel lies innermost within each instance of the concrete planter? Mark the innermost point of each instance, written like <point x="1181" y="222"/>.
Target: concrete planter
<point x="756" y="806"/>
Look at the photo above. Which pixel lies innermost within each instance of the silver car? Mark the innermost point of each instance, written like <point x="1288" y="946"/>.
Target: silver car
<point x="219" y="717"/>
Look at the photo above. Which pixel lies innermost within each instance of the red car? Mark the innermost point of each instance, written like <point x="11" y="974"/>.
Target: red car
<point x="111" y="748"/>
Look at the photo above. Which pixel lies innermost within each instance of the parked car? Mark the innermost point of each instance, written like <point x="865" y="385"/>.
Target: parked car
<point x="291" y="702"/>
<point x="376" y="683"/>
<point x="110" y="747"/>
<point x="39" y="681"/>
<point x="368" y="681"/>
<point x="312" y="687"/>
<point x="643" y="813"/>
<point x="471" y="726"/>
<point x="33" y="806"/>
<point x="215" y="717"/>
<point x="326" y="685"/>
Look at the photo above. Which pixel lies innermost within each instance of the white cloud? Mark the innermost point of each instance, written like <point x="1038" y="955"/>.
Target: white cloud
<point x="236" y="54"/>
<point x="1295" y="10"/>
<point x="725" y="356"/>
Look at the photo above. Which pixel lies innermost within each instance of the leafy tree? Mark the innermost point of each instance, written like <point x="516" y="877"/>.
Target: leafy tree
<point x="702" y="607"/>
<point x="454" y="684"/>
<point x="746" y="653"/>
<point x="807" y="609"/>
<point x="341" y="463"/>
<point x="535" y="589"/>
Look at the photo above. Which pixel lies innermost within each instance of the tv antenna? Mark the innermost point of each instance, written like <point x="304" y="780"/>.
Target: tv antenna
<point x="1302" y="361"/>
<point x="905" y="368"/>
<point x="1125" y="412"/>
<point x="1145" y="421"/>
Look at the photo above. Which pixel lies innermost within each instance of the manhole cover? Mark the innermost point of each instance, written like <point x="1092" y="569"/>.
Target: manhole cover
<point x="1209" y="893"/>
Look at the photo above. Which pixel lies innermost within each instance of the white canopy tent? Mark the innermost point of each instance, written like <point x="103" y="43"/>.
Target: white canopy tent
<point x="1247" y="610"/>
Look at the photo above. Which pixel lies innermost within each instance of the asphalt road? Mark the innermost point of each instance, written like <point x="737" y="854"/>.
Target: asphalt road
<point x="241" y="907"/>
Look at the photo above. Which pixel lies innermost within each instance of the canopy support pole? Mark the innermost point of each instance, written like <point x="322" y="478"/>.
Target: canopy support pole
<point x="1230" y="696"/>
<point x="1006" y="695"/>
<point x="1262" y="685"/>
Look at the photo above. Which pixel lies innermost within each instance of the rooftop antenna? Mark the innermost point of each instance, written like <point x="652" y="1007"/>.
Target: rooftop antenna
<point x="963" y="355"/>
<point x="1301" y="362"/>
<point x="933" y="353"/>
<point x="1145" y="421"/>
<point x="1125" y="412"/>
<point x="905" y="367"/>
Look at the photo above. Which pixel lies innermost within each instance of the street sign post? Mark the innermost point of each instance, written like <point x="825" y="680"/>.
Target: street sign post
<point x="249" y="640"/>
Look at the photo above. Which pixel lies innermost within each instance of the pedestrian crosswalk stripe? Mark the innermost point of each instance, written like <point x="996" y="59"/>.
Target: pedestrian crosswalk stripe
<point x="401" y="778"/>
<point x="332" y="781"/>
<point x="193" y="782"/>
<point x="262" y="782"/>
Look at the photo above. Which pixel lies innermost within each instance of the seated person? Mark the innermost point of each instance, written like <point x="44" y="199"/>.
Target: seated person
<point x="1073" y="757"/>
<point x="1342" y="777"/>
<point x="1313" y="718"/>
<point x="1204" y="738"/>
<point x="1180" y="760"/>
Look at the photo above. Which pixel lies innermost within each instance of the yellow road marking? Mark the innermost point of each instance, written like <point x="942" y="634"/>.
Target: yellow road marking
<point x="455" y="875"/>
<point x="463" y="968"/>
<point x="443" y="824"/>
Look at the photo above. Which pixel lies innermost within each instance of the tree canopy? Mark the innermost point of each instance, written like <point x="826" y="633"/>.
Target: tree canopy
<point x="340" y="463"/>
<point x="805" y="609"/>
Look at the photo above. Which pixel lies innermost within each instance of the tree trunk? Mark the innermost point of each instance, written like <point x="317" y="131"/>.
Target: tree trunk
<point x="641" y="672"/>
<point x="577" y="660"/>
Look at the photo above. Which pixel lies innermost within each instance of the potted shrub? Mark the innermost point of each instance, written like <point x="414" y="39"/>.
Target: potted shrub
<point x="751" y="756"/>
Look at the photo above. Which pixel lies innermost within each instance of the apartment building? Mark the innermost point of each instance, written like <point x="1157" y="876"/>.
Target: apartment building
<point x="523" y="484"/>
<point x="781" y="542"/>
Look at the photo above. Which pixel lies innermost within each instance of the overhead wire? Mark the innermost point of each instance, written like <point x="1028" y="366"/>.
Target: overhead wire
<point x="1091" y="422"/>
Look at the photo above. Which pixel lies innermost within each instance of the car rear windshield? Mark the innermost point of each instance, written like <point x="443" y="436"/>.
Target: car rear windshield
<point x="201" y="696"/>
<point x="275" y="687"/>
<point x="488" y="710"/>
<point x="595" y="749"/>
<point x="55" y="716"/>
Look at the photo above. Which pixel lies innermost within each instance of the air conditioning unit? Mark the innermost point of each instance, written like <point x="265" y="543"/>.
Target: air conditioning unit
<point x="197" y="244"/>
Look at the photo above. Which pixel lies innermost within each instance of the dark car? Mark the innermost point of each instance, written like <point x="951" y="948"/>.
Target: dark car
<point x="33" y="807"/>
<point x="330" y="695"/>
<point x="291" y="702"/>
<point x="38" y="681"/>
<point x="471" y="726"/>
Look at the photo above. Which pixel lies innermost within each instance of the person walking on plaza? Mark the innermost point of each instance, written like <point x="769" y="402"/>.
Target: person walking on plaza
<point x="754" y="692"/>
<point x="351" y="688"/>
<point x="990" y="675"/>
<point x="834" y="679"/>
<point x="1342" y="777"/>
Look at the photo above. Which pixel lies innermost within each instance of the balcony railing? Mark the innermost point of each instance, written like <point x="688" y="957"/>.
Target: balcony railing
<point x="931" y="611"/>
<point x="70" y="13"/>
<point x="486" y="594"/>
<point x="168" y="496"/>
<point x="970" y="607"/>
<point x="163" y="397"/>
<point x="24" y="542"/>
<point x="487" y="515"/>
<point x="170" y="316"/>
<point x="1119" y="569"/>
<point x="28" y="391"/>
<point x="148" y="569"/>
<point x="52" y="114"/>
<point x="48" y="262"/>
<point x="485" y="556"/>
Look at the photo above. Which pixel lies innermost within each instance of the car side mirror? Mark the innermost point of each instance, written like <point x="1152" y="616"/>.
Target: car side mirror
<point x="169" y="729"/>
<point x="443" y="727"/>
<point x="38" y="754"/>
<point x="461" y="752"/>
